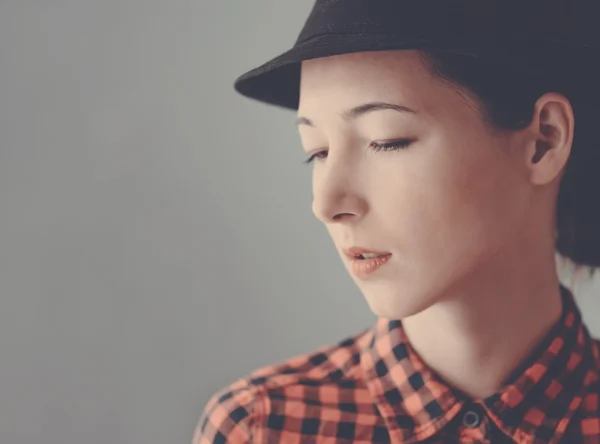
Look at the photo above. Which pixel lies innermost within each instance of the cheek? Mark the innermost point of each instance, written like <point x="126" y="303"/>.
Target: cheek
<point x="471" y="219"/>
<point x="450" y="214"/>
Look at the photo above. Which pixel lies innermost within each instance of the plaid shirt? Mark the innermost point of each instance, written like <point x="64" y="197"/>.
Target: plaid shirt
<point x="373" y="388"/>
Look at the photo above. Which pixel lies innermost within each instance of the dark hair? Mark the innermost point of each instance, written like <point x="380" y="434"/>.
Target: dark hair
<point x="506" y="86"/>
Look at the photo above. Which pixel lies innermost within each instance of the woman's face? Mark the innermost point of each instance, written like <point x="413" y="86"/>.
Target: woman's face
<point x="448" y="206"/>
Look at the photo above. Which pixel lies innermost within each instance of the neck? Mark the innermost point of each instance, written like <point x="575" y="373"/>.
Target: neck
<point x="477" y="335"/>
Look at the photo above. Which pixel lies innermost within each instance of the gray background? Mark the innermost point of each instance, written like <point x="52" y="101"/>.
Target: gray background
<point x="157" y="240"/>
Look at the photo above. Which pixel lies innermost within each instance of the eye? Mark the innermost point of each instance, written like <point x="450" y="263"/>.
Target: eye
<point x="391" y="146"/>
<point x="316" y="155"/>
<point x="388" y="146"/>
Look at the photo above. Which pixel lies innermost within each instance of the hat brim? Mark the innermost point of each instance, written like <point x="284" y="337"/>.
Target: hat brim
<point x="277" y="82"/>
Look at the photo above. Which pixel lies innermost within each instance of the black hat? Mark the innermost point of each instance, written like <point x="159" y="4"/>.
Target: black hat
<point x="471" y="27"/>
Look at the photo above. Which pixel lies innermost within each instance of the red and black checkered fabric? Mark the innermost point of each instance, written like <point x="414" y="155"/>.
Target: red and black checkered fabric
<point x="374" y="388"/>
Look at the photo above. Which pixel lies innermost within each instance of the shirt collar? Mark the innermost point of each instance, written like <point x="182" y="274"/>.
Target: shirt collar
<point x="537" y="400"/>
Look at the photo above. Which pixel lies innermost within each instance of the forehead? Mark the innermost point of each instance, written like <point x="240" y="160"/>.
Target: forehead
<point x="330" y="84"/>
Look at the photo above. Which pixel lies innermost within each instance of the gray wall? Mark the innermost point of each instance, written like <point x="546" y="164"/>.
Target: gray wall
<point x="157" y="240"/>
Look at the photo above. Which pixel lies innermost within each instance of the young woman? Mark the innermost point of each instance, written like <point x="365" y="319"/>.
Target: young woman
<point x="454" y="153"/>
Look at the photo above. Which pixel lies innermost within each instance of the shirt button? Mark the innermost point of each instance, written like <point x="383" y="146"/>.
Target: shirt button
<point x="471" y="419"/>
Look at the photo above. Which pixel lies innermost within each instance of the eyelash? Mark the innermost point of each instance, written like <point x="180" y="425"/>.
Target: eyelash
<point x="389" y="146"/>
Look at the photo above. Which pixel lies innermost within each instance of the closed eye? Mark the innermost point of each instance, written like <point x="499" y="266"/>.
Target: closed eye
<point x="389" y="146"/>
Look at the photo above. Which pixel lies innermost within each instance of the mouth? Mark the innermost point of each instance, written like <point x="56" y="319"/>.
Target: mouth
<point x="359" y="253"/>
<point x="365" y="262"/>
<point x="370" y="256"/>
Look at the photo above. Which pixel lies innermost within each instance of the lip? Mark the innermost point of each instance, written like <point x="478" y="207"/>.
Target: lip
<point x="352" y="252"/>
<point x="365" y="267"/>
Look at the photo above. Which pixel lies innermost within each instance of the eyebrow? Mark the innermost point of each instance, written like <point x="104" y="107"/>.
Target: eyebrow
<point x="360" y="110"/>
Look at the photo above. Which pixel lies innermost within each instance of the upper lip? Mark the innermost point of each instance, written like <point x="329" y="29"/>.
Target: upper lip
<point x="354" y="252"/>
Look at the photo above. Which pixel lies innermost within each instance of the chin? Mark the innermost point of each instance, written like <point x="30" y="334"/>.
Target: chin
<point x="396" y="307"/>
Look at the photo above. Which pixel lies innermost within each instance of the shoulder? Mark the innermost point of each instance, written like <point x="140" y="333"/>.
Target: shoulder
<point x="592" y="381"/>
<point x="586" y="421"/>
<point x="227" y="415"/>
<point x="233" y="412"/>
<point x="596" y="353"/>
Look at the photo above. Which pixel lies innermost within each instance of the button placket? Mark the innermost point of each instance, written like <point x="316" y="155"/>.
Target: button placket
<point x="474" y="419"/>
<point x="471" y="419"/>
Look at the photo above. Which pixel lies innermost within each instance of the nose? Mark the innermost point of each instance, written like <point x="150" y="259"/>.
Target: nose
<point x="337" y="196"/>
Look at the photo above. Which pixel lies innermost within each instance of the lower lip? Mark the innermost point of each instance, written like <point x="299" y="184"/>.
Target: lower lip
<point x="364" y="267"/>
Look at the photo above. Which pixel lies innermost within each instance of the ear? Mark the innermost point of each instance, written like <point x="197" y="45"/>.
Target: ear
<point x="552" y="128"/>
